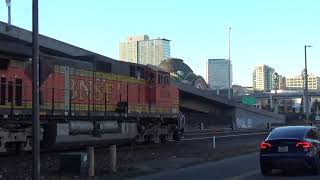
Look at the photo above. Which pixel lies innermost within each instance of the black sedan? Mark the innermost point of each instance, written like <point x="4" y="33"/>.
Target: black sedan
<point x="291" y="147"/>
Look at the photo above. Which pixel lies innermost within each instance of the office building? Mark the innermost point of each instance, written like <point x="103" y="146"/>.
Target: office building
<point x="262" y="78"/>
<point x="128" y="51"/>
<point x="282" y="83"/>
<point x="217" y="73"/>
<point x="142" y="50"/>
<point x="297" y="82"/>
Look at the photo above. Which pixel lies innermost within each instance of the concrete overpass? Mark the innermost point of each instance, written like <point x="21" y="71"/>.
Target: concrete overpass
<point x="278" y="95"/>
<point x="198" y="105"/>
<point x="216" y="110"/>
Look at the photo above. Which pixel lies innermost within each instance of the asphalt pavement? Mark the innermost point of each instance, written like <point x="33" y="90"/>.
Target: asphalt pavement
<point x="244" y="167"/>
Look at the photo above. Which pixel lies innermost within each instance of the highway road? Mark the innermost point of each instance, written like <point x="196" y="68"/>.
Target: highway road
<point x="244" y="167"/>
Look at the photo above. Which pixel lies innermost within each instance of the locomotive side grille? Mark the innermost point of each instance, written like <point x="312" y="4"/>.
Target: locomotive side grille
<point x="3" y="91"/>
<point x="18" y="92"/>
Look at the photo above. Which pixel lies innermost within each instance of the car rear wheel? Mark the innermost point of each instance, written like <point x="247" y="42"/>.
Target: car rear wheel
<point x="266" y="171"/>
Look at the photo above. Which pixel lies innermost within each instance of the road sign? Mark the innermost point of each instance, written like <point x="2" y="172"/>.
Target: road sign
<point x="249" y="100"/>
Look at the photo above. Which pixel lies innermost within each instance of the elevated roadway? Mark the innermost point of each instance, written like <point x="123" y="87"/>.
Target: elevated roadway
<point x="278" y="95"/>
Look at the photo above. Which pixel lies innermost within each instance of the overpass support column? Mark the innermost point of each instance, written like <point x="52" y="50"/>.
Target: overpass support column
<point x="260" y="104"/>
<point x="304" y="104"/>
<point x="276" y="106"/>
<point x="285" y="106"/>
<point x="271" y="103"/>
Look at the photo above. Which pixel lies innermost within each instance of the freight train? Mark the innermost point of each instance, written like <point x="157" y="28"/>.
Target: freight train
<point x="86" y="100"/>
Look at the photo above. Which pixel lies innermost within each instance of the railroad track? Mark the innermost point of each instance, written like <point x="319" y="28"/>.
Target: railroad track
<point x="194" y="135"/>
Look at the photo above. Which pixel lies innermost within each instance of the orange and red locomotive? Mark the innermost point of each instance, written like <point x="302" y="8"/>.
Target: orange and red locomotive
<point x="87" y="100"/>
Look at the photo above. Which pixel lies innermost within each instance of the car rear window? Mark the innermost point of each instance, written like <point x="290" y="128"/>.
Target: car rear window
<point x="290" y="133"/>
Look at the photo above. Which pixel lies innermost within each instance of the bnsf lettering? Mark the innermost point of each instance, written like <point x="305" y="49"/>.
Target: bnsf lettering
<point x="164" y="94"/>
<point x="82" y="90"/>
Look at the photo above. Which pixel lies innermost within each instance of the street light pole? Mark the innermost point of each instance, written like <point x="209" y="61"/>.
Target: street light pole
<point x="275" y="78"/>
<point x="306" y="83"/>
<point x="8" y="3"/>
<point x="229" y="71"/>
<point x="35" y="94"/>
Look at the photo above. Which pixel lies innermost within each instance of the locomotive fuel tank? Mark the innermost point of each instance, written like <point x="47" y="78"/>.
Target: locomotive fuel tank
<point x="107" y="127"/>
<point x="80" y="127"/>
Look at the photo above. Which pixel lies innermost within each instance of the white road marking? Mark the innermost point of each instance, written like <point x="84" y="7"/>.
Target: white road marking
<point x="226" y="136"/>
<point x="195" y="134"/>
<point x="244" y="175"/>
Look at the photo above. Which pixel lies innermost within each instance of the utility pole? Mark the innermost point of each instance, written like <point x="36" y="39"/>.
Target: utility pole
<point x="35" y="94"/>
<point x="229" y="92"/>
<point x="8" y="3"/>
<point x="306" y="94"/>
<point x="275" y="79"/>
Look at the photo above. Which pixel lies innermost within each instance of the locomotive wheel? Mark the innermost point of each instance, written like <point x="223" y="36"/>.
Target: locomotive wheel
<point x="163" y="139"/>
<point x="147" y="139"/>
<point x="17" y="147"/>
<point x="175" y="135"/>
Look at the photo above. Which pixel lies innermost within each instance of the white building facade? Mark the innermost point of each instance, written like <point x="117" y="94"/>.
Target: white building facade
<point x="297" y="82"/>
<point x="218" y="75"/>
<point x="142" y="50"/>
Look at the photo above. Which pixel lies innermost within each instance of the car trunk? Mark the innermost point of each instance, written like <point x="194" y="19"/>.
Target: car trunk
<point x="282" y="146"/>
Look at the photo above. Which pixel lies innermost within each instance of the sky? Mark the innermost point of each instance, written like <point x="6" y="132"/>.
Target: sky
<point x="271" y="32"/>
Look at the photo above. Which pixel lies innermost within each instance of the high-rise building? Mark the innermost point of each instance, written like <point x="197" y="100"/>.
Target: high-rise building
<point x="297" y="82"/>
<point x="282" y="83"/>
<point x="128" y="51"/>
<point x="142" y="50"/>
<point x="217" y="73"/>
<point x="262" y="78"/>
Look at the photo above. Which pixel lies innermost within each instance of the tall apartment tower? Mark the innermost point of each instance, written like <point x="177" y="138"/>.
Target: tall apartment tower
<point x="142" y="50"/>
<point x="262" y="78"/>
<point x="217" y="73"/>
<point x="282" y="83"/>
<point x="128" y="51"/>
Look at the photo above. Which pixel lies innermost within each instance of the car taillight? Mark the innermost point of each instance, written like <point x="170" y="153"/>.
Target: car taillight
<point x="265" y="145"/>
<point x="305" y="145"/>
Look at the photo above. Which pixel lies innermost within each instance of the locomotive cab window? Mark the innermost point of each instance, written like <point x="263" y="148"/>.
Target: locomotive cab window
<point x="4" y="63"/>
<point x="137" y="72"/>
<point x="163" y="79"/>
<point x="103" y="67"/>
<point x="159" y="79"/>
<point x="166" y="80"/>
<point x="140" y="72"/>
<point x="151" y="79"/>
<point x="132" y="70"/>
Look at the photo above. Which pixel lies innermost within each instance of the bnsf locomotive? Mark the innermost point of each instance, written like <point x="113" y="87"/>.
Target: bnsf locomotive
<point x="87" y="100"/>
